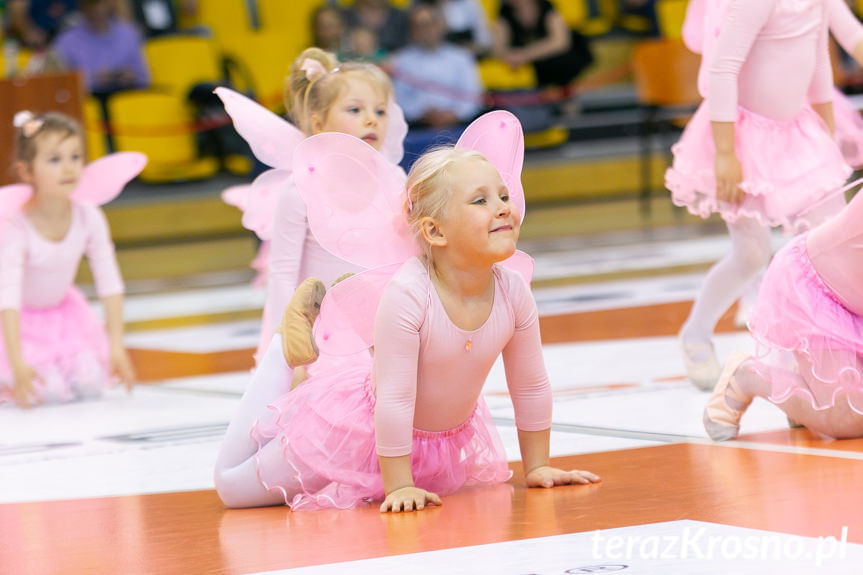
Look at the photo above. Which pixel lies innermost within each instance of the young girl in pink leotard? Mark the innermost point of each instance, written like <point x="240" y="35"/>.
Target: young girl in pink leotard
<point x="759" y="150"/>
<point x="409" y="425"/>
<point x="808" y="326"/>
<point x="55" y="349"/>
<point x="322" y="95"/>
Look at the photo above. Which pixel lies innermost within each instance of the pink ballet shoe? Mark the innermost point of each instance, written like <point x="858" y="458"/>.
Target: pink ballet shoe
<point x="703" y="374"/>
<point x="298" y="341"/>
<point x="721" y="421"/>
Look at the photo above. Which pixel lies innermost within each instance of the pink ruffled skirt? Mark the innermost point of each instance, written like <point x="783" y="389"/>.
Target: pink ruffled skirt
<point x="808" y="343"/>
<point x="849" y="129"/>
<point x="319" y="449"/>
<point x="66" y="345"/>
<point x="787" y="166"/>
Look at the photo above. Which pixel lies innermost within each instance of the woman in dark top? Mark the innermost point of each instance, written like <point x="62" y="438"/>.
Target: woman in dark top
<point x="532" y="32"/>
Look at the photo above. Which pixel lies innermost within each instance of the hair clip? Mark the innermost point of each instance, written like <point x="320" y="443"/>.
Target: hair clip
<point x="313" y="69"/>
<point x="27" y="122"/>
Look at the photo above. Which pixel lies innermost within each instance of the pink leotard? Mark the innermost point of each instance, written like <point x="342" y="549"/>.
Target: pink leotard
<point x="771" y="58"/>
<point x="836" y="251"/>
<point x="37" y="273"/>
<point x="295" y="255"/>
<point x="419" y="385"/>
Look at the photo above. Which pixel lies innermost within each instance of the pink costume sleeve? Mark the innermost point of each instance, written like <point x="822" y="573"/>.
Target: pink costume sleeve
<point x="744" y="20"/>
<point x="286" y="251"/>
<point x="771" y="58"/>
<point x="821" y="89"/>
<point x="693" y="26"/>
<point x="836" y="251"/>
<point x="526" y="375"/>
<point x="398" y="321"/>
<point x="100" y="253"/>
<point x="13" y="245"/>
<point x="844" y="25"/>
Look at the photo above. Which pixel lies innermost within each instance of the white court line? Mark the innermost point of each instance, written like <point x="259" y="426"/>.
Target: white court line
<point x="779" y="448"/>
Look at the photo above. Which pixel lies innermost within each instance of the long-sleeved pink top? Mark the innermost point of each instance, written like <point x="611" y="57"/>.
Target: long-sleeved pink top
<point x="37" y="272"/>
<point x="295" y="254"/>
<point x="428" y="373"/>
<point x="836" y="250"/>
<point x="844" y="25"/>
<point x="771" y="58"/>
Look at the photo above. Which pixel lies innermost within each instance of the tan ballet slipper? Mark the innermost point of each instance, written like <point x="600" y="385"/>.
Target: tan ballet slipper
<point x="702" y="374"/>
<point x="721" y="421"/>
<point x="298" y="342"/>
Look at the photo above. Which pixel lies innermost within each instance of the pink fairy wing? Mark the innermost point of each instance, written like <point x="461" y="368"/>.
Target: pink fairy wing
<point x="393" y="148"/>
<point x="498" y="136"/>
<point x="263" y="196"/>
<point x="103" y="180"/>
<point x="522" y="263"/>
<point x="693" y="26"/>
<point x="346" y="323"/>
<point x="12" y="198"/>
<point x="271" y="138"/>
<point x="237" y="196"/>
<point x="354" y="200"/>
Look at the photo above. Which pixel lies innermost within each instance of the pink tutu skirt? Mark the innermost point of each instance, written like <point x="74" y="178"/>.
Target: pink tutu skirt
<point x="66" y="345"/>
<point x="787" y="167"/>
<point x="808" y="343"/>
<point x="849" y="129"/>
<point x="319" y="448"/>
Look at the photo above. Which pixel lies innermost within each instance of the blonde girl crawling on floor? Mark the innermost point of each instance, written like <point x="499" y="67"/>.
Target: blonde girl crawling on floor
<point x="409" y="425"/>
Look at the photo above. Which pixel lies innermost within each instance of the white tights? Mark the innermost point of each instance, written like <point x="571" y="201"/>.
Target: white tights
<point x="728" y="279"/>
<point x="236" y="473"/>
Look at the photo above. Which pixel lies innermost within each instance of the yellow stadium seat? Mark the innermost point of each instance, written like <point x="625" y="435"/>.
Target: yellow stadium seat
<point x="94" y="129"/>
<point x="262" y="61"/>
<point x="179" y="62"/>
<point x="497" y="75"/>
<point x="161" y="126"/>
<point x="670" y="15"/>
<point x="492" y="9"/>
<point x="291" y="20"/>
<point x="575" y="12"/>
<point x="397" y="3"/>
<point x="228" y="19"/>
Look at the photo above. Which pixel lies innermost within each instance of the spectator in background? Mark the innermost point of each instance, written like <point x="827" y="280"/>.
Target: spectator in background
<point x="532" y="32"/>
<point x="328" y="28"/>
<point x="466" y="24"/>
<point x="108" y="52"/>
<point x="388" y="23"/>
<point x="437" y="84"/>
<point x="35" y="23"/>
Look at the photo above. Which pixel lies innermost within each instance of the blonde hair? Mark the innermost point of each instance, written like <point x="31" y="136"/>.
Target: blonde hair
<point x="430" y="185"/>
<point x="306" y="97"/>
<point x="50" y="123"/>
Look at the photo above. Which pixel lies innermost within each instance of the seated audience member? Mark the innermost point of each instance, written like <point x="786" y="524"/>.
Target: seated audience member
<point x="328" y="28"/>
<point x="436" y="84"/>
<point x="532" y="32"/>
<point x="466" y="24"/>
<point x="35" y="23"/>
<point x="388" y="23"/>
<point x="108" y="52"/>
